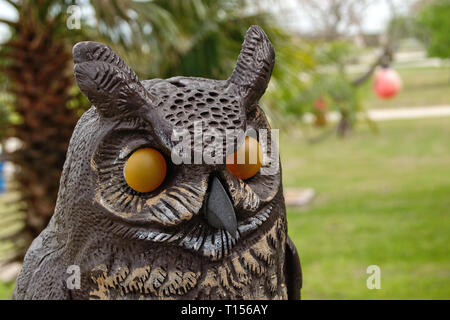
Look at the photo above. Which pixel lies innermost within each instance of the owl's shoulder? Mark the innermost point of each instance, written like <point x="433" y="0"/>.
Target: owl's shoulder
<point x="41" y="276"/>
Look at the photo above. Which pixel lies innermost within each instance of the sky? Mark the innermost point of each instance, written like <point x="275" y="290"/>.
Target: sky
<point x="6" y="12"/>
<point x="375" y="18"/>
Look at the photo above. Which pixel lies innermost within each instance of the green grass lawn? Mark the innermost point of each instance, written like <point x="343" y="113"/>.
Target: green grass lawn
<point x="5" y="246"/>
<point x="421" y="87"/>
<point x="6" y="290"/>
<point x="383" y="199"/>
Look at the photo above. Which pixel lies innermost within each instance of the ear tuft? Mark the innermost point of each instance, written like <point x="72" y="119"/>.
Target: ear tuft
<point x="107" y="81"/>
<point x="87" y="51"/>
<point x="254" y="66"/>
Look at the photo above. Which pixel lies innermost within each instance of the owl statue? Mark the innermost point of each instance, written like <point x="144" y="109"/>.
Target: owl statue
<point x="132" y="223"/>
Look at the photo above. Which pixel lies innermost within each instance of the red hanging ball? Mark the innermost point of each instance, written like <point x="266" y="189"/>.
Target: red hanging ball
<point x="387" y="83"/>
<point x="321" y="105"/>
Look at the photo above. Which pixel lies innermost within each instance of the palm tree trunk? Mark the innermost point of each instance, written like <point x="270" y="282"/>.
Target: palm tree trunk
<point x="40" y="80"/>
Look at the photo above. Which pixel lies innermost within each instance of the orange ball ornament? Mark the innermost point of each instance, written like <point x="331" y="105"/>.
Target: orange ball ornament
<point x="145" y="170"/>
<point x="247" y="160"/>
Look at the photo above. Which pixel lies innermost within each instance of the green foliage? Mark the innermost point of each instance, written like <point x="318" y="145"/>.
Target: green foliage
<point x="435" y="18"/>
<point x="320" y="75"/>
<point x="331" y="81"/>
<point x="307" y="71"/>
<point x="335" y="53"/>
<point x="339" y="92"/>
<point x="164" y="38"/>
<point x="291" y="77"/>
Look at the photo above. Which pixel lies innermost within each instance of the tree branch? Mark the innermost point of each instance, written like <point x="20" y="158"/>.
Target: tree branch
<point x="14" y="4"/>
<point x="384" y="59"/>
<point x="386" y="56"/>
<point x="8" y="22"/>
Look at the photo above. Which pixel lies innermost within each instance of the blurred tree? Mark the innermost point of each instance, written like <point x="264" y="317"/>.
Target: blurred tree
<point x="337" y="23"/>
<point x="436" y="20"/>
<point x="335" y="86"/>
<point x="333" y="19"/>
<point x="404" y="27"/>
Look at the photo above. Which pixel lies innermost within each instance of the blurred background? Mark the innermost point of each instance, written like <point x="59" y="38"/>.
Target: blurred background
<point x="360" y="92"/>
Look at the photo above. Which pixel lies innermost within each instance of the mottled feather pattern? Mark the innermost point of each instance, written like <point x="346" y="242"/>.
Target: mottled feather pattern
<point x="230" y="278"/>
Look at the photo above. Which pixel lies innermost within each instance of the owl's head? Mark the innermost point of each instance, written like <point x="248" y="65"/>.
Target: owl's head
<point x="200" y="207"/>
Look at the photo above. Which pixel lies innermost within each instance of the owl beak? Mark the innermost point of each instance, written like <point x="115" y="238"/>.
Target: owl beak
<point x="219" y="208"/>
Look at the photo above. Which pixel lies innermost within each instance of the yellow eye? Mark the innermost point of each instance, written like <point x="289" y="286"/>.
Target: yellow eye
<point x="145" y="170"/>
<point x="247" y="160"/>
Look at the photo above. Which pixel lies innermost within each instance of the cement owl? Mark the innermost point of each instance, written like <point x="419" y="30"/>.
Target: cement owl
<point x="202" y="233"/>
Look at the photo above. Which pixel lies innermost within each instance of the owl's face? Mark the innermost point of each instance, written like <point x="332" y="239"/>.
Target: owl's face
<point x="128" y="115"/>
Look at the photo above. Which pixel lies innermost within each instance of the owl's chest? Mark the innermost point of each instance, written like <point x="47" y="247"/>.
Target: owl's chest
<point x="253" y="270"/>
